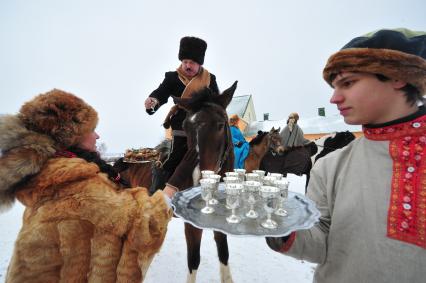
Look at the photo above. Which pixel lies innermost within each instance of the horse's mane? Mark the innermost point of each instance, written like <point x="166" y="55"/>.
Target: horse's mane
<point x="258" y="139"/>
<point x="201" y="97"/>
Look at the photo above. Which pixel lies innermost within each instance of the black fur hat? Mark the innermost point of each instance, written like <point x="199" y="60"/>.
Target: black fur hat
<point x="397" y="54"/>
<point x="192" y="48"/>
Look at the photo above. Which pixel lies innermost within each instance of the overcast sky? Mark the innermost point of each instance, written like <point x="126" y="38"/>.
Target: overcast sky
<point x="114" y="53"/>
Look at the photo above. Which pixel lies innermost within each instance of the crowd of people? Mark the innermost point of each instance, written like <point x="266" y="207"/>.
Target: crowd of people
<point x="82" y="222"/>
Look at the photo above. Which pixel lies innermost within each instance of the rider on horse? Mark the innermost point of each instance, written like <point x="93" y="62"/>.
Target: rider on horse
<point x="188" y="78"/>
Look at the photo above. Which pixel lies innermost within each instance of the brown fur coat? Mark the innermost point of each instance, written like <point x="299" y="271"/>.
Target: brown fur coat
<point x="78" y="226"/>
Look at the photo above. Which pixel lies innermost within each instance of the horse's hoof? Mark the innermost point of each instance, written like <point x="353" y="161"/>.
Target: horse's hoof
<point x="225" y="274"/>
<point x="191" y="277"/>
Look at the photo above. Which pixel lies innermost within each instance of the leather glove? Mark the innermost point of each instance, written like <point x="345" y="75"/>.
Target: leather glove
<point x="184" y="170"/>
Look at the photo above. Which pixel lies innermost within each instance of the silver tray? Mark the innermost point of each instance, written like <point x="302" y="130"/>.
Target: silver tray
<point x="302" y="214"/>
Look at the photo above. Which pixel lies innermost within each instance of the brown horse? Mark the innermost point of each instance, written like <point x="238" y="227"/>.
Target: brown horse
<point x="260" y="145"/>
<point x="140" y="174"/>
<point x="207" y="129"/>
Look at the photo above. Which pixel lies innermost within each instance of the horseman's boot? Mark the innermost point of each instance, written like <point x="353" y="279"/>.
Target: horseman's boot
<point x="159" y="179"/>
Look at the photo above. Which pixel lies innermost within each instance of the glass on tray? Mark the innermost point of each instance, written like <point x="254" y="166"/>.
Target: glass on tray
<point x="253" y="177"/>
<point x="277" y="176"/>
<point x="205" y="173"/>
<point x="269" y="180"/>
<point x="270" y="198"/>
<point x="207" y="187"/>
<point x="282" y="184"/>
<point x="231" y="180"/>
<point x="241" y="173"/>
<point x="233" y="201"/>
<point x="216" y="178"/>
<point x="250" y="193"/>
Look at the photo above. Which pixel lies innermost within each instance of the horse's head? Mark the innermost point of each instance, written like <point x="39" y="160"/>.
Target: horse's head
<point x="339" y="140"/>
<point x="207" y="129"/>
<point x="275" y="141"/>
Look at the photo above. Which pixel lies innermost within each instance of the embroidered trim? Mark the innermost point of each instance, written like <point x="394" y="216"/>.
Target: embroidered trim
<point x="407" y="208"/>
<point x="287" y="245"/>
<point x="414" y="127"/>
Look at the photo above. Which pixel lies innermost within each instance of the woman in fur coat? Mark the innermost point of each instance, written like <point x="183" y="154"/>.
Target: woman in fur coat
<point x="80" y="224"/>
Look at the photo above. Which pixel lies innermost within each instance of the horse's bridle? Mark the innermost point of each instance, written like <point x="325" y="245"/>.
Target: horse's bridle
<point x="227" y="148"/>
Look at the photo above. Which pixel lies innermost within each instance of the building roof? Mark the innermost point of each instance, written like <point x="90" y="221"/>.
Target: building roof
<point x="313" y="125"/>
<point x="238" y="105"/>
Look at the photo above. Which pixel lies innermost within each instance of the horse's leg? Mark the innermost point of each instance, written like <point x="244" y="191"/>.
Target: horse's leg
<point x="193" y="243"/>
<point x="223" y="252"/>
<point x="308" y="175"/>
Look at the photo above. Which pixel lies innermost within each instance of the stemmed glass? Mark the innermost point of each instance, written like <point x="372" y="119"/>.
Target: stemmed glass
<point x="231" y="180"/>
<point x="269" y="180"/>
<point x="206" y="173"/>
<point x="216" y="178"/>
<point x="252" y="177"/>
<point x="283" y="186"/>
<point x="232" y="174"/>
<point x="261" y="174"/>
<point x="277" y="176"/>
<point x="207" y="187"/>
<point x="241" y="173"/>
<point x="250" y="190"/>
<point x="232" y="200"/>
<point x="270" y="197"/>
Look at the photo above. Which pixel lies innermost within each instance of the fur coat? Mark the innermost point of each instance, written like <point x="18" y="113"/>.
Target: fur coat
<point x="78" y="225"/>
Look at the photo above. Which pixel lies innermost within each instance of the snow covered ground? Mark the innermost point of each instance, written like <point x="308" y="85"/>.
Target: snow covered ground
<point x="251" y="261"/>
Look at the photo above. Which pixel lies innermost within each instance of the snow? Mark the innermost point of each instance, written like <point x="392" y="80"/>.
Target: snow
<point x="250" y="259"/>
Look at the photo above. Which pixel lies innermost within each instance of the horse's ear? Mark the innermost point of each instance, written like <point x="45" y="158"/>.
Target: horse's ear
<point x="182" y="102"/>
<point x="279" y="129"/>
<point x="273" y="129"/>
<point x="225" y="98"/>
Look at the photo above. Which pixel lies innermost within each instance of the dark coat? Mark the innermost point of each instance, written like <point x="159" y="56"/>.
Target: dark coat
<point x="173" y="86"/>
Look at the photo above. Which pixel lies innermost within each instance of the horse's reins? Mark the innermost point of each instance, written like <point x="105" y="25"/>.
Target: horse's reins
<point x="227" y="148"/>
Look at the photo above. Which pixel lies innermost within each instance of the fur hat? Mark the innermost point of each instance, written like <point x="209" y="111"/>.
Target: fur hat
<point x="397" y="54"/>
<point x="294" y="115"/>
<point x="60" y="115"/>
<point x="192" y="48"/>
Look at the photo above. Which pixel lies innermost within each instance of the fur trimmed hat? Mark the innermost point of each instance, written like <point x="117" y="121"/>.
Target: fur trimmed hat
<point x="192" y="48"/>
<point x="60" y="115"/>
<point x="397" y="54"/>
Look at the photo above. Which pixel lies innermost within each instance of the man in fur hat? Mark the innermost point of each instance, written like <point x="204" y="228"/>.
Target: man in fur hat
<point x="80" y="224"/>
<point x="372" y="193"/>
<point x="188" y="78"/>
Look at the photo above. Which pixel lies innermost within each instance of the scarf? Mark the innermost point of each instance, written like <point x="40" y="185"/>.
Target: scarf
<point x="192" y="85"/>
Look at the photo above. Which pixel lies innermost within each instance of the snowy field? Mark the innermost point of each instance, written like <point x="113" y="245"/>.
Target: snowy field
<point x="251" y="260"/>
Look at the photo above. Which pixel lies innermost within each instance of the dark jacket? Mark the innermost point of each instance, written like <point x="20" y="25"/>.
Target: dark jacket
<point x="173" y="86"/>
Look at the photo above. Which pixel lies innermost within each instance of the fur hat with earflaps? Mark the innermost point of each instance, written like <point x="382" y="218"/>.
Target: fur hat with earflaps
<point x="51" y="121"/>
<point x="192" y="48"/>
<point x="397" y="54"/>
